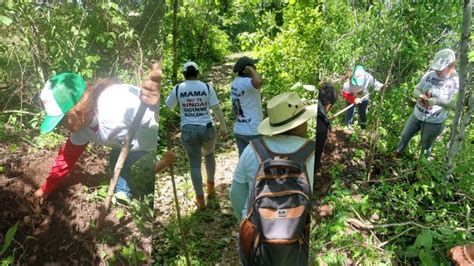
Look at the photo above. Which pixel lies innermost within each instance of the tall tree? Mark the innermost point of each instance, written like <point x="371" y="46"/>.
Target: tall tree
<point x="461" y="118"/>
<point x="175" y="39"/>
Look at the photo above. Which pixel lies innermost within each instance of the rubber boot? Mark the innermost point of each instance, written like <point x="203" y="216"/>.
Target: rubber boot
<point x="211" y="192"/>
<point x="201" y="204"/>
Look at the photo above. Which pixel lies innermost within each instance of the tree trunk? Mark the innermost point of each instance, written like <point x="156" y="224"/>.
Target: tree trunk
<point x="458" y="128"/>
<point x="202" y="45"/>
<point x="175" y="39"/>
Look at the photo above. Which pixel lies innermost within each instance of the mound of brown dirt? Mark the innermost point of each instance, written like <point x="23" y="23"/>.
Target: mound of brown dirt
<point x="58" y="230"/>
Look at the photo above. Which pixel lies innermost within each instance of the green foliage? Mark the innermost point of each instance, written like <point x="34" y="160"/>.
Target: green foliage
<point x="6" y="243"/>
<point x="142" y="213"/>
<point x="132" y="254"/>
<point x="204" y="246"/>
<point x="321" y="40"/>
<point x="50" y="140"/>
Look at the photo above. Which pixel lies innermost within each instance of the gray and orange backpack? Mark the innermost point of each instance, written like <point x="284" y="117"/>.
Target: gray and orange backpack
<point x="276" y="228"/>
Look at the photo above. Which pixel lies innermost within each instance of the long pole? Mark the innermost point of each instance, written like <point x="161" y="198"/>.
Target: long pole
<point x="176" y="202"/>
<point x="349" y="106"/>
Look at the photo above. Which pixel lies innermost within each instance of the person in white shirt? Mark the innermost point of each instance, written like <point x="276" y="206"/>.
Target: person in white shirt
<point x="436" y="93"/>
<point x="101" y="113"/>
<point x="198" y="134"/>
<point x="284" y="132"/>
<point x="246" y="101"/>
<point x="356" y="91"/>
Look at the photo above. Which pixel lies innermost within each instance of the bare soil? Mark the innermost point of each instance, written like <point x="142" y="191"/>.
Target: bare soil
<point x="60" y="229"/>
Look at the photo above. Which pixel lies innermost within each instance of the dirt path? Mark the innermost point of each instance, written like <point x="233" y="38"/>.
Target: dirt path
<point x="216" y="228"/>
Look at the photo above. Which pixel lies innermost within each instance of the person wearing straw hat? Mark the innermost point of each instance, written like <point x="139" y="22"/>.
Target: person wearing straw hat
<point x="198" y="133"/>
<point x="246" y="101"/>
<point x="356" y="91"/>
<point x="284" y="131"/>
<point x="436" y="93"/>
<point x="99" y="113"/>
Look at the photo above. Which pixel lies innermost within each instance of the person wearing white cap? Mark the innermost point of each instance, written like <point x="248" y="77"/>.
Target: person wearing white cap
<point x="436" y="92"/>
<point x="198" y="134"/>
<point x="284" y="131"/>
<point x="356" y="91"/>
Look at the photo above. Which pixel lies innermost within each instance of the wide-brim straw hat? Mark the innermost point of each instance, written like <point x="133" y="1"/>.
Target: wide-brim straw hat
<point x="286" y="111"/>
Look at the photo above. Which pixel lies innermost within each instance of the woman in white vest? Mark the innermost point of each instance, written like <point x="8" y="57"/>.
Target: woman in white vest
<point x="101" y="113"/>
<point x="436" y="93"/>
<point x="198" y="134"/>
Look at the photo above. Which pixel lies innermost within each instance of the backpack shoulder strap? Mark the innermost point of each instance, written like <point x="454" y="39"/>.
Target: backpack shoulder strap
<point x="263" y="153"/>
<point x="208" y="91"/>
<point x="303" y="153"/>
<point x="176" y="91"/>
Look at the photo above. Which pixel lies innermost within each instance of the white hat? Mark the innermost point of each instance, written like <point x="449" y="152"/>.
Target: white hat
<point x="443" y="59"/>
<point x="285" y="111"/>
<point x="190" y="64"/>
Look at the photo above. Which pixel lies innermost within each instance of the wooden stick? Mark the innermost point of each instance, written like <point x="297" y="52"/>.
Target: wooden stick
<point x="125" y="150"/>
<point x="120" y="161"/>
<point x="175" y="194"/>
<point x="362" y="225"/>
<point x="348" y="107"/>
<point x="374" y="137"/>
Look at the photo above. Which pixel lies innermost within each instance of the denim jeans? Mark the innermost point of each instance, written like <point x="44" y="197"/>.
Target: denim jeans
<point x="132" y="157"/>
<point x="197" y="141"/>
<point x="243" y="140"/>
<point x="429" y="133"/>
<point x="361" y="110"/>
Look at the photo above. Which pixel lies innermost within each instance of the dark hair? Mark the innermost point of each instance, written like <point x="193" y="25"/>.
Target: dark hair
<point x="327" y="94"/>
<point x="190" y="72"/>
<point x="241" y="71"/>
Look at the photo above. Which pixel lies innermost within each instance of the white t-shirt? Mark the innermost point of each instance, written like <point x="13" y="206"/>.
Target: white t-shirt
<point x="248" y="162"/>
<point x="195" y="98"/>
<point x="247" y="106"/>
<point x="364" y="89"/>
<point x="442" y="88"/>
<point x="116" y="108"/>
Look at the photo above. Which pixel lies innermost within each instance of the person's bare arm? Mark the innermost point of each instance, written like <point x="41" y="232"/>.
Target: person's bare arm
<point x="257" y="81"/>
<point x="220" y="117"/>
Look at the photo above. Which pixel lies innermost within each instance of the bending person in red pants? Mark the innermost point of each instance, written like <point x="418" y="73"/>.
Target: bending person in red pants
<point x="101" y="113"/>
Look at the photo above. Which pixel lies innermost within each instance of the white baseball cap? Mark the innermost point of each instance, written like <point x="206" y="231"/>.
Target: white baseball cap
<point x="190" y="64"/>
<point x="443" y="59"/>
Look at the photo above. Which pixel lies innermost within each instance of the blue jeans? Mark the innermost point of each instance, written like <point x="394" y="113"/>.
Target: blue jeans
<point x="243" y="140"/>
<point x="132" y="157"/>
<point x="429" y="133"/>
<point x="361" y="110"/>
<point x="197" y="141"/>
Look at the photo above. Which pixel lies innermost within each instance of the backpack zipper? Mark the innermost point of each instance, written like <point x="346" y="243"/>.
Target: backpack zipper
<point x="281" y="193"/>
